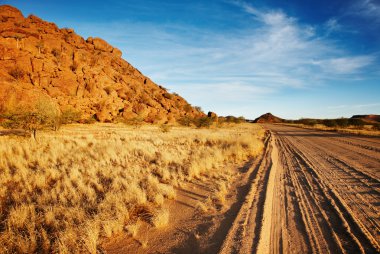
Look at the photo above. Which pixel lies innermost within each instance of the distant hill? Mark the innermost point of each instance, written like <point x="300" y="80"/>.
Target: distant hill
<point x="40" y="60"/>
<point x="268" y="118"/>
<point x="367" y="118"/>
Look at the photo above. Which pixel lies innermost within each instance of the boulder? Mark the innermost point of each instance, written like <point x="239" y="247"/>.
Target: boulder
<point x="7" y="11"/>
<point x="102" y="45"/>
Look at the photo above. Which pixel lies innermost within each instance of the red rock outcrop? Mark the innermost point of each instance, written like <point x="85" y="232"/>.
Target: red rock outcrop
<point x="268" y="118"/>
<point x="88" y="75"/>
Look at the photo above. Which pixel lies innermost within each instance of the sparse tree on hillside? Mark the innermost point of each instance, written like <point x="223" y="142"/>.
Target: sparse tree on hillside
<point x="198" y="108"/>
<point x="40" y="45"/>
<point x="18" y="38"/>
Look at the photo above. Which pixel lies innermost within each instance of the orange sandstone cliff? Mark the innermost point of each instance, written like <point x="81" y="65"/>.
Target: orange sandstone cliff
<point x="37" y="58"/>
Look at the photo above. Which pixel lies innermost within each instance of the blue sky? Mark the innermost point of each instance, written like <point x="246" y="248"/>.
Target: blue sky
<point x="301" y="58"/>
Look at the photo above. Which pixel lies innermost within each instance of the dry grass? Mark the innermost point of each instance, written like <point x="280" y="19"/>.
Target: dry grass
<point x="70" y="189"/>
<point x="160" y="218"/>
<point x="133" y="229"/>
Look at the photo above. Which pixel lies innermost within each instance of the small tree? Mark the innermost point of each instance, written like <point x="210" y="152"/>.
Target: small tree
<point x="40" y="45"/>
<point x="70" y="115"/>
<point x="356" y="122"/>
<point x="342" y="122"/>
<point x="198" y="108"/>
<point x="18" y="38"/>
<point x="203" y="122"/>
<point x="43" y="115"/>
<point x="185" y="121"/>
<point x="329" y="123"/>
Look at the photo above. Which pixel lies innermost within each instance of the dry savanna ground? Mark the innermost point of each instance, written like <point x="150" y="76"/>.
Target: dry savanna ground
<point x="68" y="191"/>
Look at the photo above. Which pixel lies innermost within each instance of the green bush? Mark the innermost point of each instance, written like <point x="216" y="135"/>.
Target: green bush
<point x="203" y="122"/>
<point x="308" y="121"/>
<point x="70" y="116"/>
<point x="356" y="122"/>
<point x="185" y="121"/>
<point x="90" y="120"/>
<point x="43" y="116"/>
<point x="198" y="108"/>
<point x="165" y="128"/>
<point x="330" y="123"/>
<point x="342" y="122"/>
<point x="376" y="126"/>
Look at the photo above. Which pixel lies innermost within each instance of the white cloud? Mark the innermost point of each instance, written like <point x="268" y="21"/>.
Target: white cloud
<point x="345" y="65"/>
<point x="277" y="52"/>
<point x="332" y="25"/>
<point x="367" y="9"/>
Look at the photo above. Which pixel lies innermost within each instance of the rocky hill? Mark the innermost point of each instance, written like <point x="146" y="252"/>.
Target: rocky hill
<point x="40" y="60"/>
<point x="268" y="118"/>
<point x="367" y="118"/>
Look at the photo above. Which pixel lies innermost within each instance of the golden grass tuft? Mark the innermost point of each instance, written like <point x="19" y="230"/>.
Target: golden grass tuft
<point x="68" y="190"/>
<point x="133" y="229"/>
<point x="161" y="218"/>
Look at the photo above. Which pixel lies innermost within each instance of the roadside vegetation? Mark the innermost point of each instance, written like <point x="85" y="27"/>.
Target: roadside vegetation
<point x="345" y="125"/>
<point x="67" y="190"/>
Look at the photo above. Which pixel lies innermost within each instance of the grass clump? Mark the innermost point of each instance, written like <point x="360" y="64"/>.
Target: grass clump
<point x="161" y="218"/>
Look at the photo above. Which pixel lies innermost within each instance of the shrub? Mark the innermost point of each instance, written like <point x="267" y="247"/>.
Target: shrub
<point x="70" y="116"/>
<point x="330" y="122"/>
<point x="203" y="122"/>
<point x="308" y="121"/>
<point x="185" y="121"/>
<point x="17" y="73"/>
<point x="90" y="120"/>
<point x="198" y="108"/>
<point x="167" y="95"/>
<point x="56" y="52"/>
<point x="233" y="119"/>
<point x="356" y="122"/>
<point x="342" y="122"/>
<point x="240" y="119"/>
<point x="165" y="128"/>
<point x="376" y="126"/>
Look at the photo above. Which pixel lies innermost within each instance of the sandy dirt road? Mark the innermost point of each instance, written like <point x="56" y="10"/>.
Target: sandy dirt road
<point x="309" y="192"/>
<point x="326" y="194"/>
